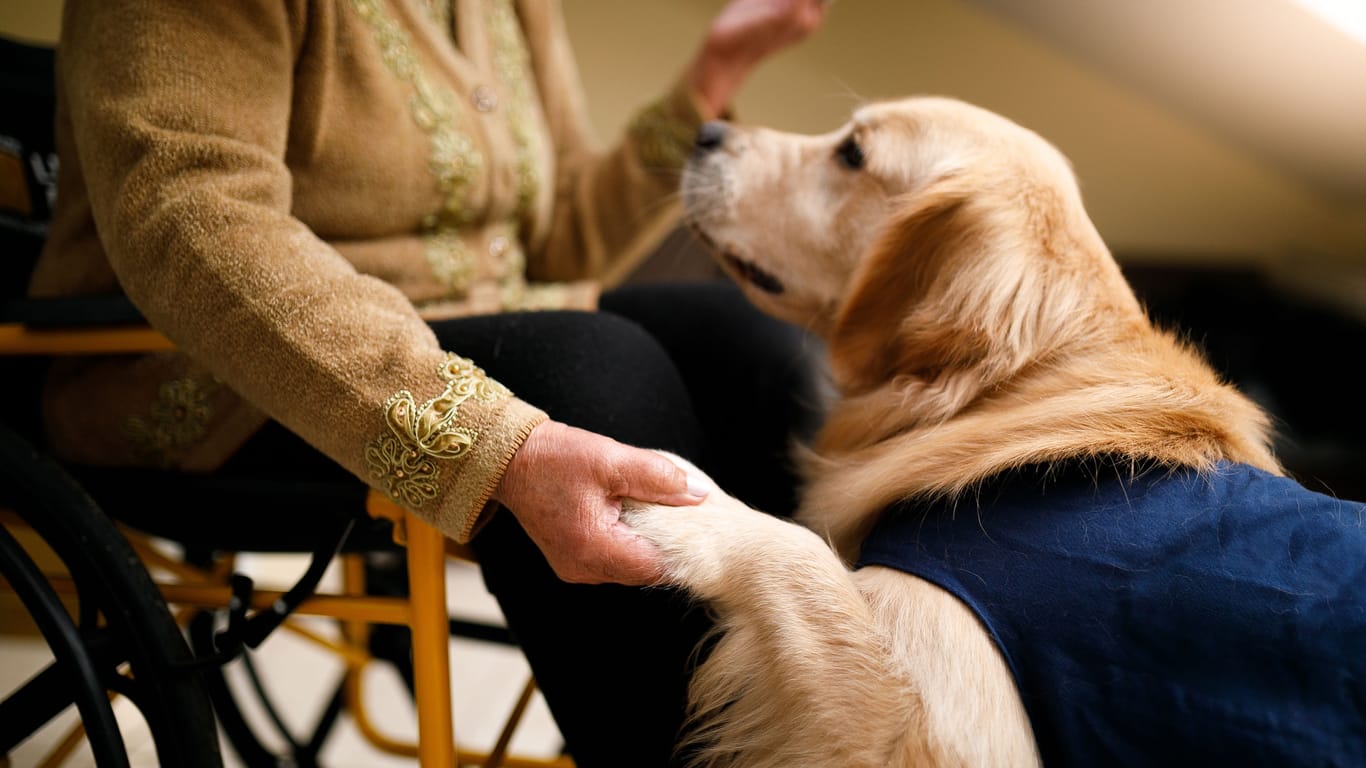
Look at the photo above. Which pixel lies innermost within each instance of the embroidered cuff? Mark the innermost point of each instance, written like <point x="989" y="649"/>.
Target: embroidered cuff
<point x="444" y="458"/>
<point x="471" y="490"/>
<point x="664" y="131"/>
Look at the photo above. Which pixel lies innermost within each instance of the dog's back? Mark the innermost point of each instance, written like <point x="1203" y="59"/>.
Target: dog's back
<point x="1076" y="541"/>
<point x="1167" y="616"/>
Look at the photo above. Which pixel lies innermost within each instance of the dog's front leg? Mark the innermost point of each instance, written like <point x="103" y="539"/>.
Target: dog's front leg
<point x="801" y="674"/>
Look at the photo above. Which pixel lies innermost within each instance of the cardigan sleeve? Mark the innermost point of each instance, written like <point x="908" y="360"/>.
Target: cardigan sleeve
<point x="184" y="163"/>
<point x="612" y="205"/>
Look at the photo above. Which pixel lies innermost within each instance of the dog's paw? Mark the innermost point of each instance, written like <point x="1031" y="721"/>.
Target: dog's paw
<point x="709" y="546"/>
<point x="692" y="540"/>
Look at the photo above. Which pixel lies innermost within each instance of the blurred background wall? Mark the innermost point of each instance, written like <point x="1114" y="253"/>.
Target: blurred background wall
<point x="1220" y="145"/>
<point x="1161" y="182"/>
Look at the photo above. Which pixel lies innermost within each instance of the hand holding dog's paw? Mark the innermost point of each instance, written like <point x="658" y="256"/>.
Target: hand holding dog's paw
<point x="719" y="540"/>
<point x="690" y="541"/>
<point x="683" y="536"/>
<point x="566" y="487"/>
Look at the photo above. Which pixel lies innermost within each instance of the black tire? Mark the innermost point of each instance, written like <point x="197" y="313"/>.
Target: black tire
<point x="122" y="618"/>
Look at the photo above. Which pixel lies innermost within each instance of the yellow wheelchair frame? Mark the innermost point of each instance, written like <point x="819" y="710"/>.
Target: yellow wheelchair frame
<point x="181" y="590"/>
<point x="423" y="610"/>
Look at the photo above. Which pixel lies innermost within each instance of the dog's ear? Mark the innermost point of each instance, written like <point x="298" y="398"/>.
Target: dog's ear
<point x="960" y="291"/>
<point x="880" y="330"/>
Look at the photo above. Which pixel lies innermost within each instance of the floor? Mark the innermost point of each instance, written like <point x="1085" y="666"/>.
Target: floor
<point x="299" y="676"/>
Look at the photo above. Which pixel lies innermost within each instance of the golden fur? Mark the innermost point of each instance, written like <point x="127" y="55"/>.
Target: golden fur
<point x="975" y="322"/>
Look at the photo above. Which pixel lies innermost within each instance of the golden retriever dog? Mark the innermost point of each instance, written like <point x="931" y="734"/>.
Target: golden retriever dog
<point x="1034" y="527"/>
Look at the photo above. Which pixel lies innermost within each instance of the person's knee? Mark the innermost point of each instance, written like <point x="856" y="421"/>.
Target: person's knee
<point x="604" y="373"/>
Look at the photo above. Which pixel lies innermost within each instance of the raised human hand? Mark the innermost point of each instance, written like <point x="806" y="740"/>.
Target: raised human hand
<point x="742" y="35"/>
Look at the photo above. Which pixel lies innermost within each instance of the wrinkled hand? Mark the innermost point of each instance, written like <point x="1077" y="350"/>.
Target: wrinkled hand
<point x="566" y="485"/>
<point x="743" y="34"/>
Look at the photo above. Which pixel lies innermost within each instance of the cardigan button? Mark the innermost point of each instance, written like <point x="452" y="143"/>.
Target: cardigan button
<point x="484" y="99"/>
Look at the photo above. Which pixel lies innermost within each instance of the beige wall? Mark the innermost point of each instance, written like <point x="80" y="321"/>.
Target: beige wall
<point x="1158" y="186"/>
<point x="31" y="20"/>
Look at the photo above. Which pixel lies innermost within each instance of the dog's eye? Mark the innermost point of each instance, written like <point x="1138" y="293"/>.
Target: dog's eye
<point x="850" y="154"/>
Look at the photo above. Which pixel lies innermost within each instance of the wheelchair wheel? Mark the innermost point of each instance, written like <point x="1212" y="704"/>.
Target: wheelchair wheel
<point x="122" y="640"/>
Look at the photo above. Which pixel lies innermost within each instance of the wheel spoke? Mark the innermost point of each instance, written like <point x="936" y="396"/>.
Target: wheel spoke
<point x="68" y="649"/>
<point x="33" y="705"/>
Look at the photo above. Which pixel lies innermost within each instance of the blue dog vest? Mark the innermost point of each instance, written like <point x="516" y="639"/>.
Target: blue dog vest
<point x="1168" y="619"/>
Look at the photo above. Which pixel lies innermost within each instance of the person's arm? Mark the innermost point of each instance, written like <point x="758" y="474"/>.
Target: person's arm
<point x="565" y="486"/>
<point x="611" y="206"/>
<point x="181" y="115"/>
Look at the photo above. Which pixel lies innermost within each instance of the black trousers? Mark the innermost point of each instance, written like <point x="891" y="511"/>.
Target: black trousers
<point x="691" y="368"/>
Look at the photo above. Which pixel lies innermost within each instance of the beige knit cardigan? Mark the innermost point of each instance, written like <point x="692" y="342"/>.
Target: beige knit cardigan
<point x="286" y="188"/>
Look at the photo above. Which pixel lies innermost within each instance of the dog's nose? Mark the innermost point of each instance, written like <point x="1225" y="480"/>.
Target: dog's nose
<point x="710" y="136"/>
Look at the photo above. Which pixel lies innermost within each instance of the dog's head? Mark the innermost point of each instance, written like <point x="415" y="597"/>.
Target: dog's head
<point x="927" y="239"/>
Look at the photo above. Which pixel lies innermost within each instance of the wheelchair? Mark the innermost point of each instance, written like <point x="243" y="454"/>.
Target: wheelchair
<point x="139" y="601"/>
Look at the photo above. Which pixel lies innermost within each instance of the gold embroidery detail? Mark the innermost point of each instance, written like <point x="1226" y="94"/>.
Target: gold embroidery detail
<point x="539" y="296"/>
<point x="454" y="160"/>
<point x="439" y="11"/>
<point x="512" y="63"/>
<point x="664" y="140"/>
<point x="402" y="459"/>
<point x="451" y="260"/>
<point x="177" y="420"/>
<point x="512" y="284"/>
<point x="408" y="477"/>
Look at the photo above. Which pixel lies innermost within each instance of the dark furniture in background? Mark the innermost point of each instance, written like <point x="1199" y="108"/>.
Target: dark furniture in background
<point x="1299" y="358"/>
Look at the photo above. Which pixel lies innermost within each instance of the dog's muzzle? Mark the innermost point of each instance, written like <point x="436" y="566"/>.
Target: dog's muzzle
<point x="711" y="136"/>
<point x="764" y="281"/>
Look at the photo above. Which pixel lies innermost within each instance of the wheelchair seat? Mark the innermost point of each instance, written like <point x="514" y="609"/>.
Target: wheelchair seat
<point x="104" y="524"/>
